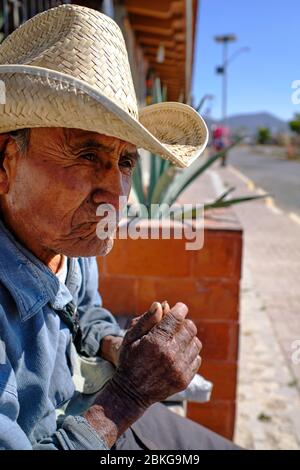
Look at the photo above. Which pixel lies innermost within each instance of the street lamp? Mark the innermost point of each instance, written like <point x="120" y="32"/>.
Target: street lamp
<point x="236" y="54"/>
<point x="222" y="70"/>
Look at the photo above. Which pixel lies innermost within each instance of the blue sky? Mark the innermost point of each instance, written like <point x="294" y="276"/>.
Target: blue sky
<point x="259" y="80"/>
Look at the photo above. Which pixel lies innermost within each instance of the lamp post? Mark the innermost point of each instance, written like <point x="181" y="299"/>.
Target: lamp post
<point x="225" y="40"/>
<point x="222" y="70"/>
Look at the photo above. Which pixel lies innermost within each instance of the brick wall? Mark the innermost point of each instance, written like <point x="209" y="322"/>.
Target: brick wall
<point x="137" y="272"/>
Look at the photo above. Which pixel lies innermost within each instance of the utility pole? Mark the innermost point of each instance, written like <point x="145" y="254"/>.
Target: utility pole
<point x="222" y="70"/>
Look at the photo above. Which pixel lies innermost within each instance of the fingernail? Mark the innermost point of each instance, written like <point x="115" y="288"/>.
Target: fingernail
<point x="154" y="307"/>
<point x="165" y="305"/>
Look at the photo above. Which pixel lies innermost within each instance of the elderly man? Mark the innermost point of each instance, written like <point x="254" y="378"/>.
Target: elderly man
<point x="68" y="143"/>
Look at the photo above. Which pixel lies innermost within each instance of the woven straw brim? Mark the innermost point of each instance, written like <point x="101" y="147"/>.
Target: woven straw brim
<point x="40" y="97"/>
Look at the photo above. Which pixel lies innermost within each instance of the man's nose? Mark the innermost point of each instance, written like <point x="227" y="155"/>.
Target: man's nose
<point x="109" y="188"/>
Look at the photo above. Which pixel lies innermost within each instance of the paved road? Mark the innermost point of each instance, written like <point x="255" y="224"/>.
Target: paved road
<point x="279" y="177"/>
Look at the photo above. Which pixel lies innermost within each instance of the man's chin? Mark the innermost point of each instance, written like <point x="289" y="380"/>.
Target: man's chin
<point x="88" y="249"/>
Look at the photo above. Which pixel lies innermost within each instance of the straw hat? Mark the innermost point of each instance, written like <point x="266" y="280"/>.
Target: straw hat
<point x="68" y="67"/>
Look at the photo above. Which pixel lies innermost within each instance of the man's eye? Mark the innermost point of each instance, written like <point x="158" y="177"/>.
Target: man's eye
<point x="126" y="162"/>
<point x="90" y="157"/>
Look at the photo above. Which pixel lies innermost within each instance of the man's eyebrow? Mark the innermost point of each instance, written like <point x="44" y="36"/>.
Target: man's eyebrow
<point x="92" y="143"/>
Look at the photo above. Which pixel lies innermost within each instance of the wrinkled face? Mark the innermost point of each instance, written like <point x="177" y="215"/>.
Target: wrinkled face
<point x="56" y="187"/>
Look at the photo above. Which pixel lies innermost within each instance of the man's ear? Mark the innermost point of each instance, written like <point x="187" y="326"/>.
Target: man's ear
<point x="4" y="141"/>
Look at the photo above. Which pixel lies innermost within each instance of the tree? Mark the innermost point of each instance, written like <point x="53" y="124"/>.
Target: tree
<point x="295" y="124"/>
<point x="263" y="135"/>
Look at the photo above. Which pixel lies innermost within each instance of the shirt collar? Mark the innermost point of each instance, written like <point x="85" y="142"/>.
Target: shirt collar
<point x="29" y="281"/>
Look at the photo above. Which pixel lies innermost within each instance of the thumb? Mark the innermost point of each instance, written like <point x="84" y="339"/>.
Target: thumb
<point x="144" y="323"/>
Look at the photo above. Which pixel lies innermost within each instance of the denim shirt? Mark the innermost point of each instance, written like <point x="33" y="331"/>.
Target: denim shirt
<point x="35" y="348"/>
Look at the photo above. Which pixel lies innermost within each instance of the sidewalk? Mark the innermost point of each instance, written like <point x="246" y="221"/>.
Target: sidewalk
<point x="268" y="394"/>
<point x="268" y="415"/>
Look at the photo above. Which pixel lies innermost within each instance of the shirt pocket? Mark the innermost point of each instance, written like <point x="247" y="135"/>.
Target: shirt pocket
<point x="61" y="382"/>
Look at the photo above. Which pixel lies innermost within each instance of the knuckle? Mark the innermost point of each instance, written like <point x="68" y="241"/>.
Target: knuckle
<point x="190" y="326"/>
<point x="197" y="365"/>
<point x="172" y="318"/>
<point x="168" y="326"/>
<point x="198" y="343"/>
<point x="198" y="360"/>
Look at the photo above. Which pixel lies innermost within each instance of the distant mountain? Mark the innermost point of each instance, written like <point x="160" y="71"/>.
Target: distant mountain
<point x="248" y="123"/>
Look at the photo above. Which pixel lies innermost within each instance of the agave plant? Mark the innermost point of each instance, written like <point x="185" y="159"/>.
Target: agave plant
<point x="167" y="182"/>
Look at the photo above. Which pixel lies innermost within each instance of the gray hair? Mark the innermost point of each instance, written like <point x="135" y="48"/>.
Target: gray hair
<point x="21" y="138"/>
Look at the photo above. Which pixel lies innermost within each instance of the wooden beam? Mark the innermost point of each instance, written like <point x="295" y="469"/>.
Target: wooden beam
<point x="169" y="53"/>
<point x="171" y="80"/>
<point x="169" y="68"/>
<point x="178" y="7"/>
<point x="147" y="21"/>
<point x="156" y="22"/>
<point x="156" y="40"/>
<point x="154" y="8"/>
<point x="180" y="63"/>
<point x="169" y="71"/>
<point x="154" y="43"/>
<point x="163" y="32"/>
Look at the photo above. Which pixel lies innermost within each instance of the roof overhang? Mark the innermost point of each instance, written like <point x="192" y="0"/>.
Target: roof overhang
<point x="169" y="24"/>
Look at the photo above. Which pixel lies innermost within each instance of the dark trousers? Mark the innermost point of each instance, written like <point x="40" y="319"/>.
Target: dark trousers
<point x="161" y="429"/>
